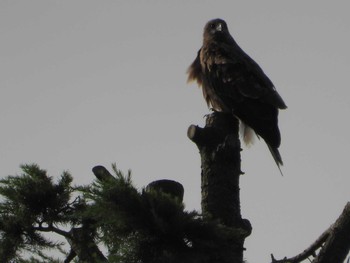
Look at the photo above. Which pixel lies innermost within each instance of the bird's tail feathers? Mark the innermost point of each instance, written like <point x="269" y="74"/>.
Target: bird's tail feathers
<point x="277" y="157"/>
<point x="247" y="133"/>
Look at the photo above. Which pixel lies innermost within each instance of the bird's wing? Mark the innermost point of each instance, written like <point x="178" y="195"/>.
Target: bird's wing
<point x="239" y="73"/>
<point x="194" y="71"/>
<point x="262" y="85"/>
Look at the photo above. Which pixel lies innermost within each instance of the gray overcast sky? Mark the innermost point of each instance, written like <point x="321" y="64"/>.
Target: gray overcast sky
<point x="94" y="82"/>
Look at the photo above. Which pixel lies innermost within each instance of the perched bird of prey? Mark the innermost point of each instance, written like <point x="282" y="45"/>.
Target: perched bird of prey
<point x="233" y="82"/>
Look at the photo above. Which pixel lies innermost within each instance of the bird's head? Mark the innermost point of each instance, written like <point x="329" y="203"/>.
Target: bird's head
<point x="215" y="28"/>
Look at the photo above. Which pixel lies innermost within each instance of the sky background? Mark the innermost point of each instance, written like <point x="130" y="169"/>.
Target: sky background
<point x="84" y="83"/>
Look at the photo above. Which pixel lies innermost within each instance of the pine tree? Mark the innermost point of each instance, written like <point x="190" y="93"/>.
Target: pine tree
<point x="135" y="226"/>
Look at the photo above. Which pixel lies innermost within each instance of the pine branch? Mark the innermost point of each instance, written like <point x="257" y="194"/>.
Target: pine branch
<point x="53" y="229"/>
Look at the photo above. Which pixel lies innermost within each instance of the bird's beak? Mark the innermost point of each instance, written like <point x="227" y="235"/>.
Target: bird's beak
<point x="219" y="27"/>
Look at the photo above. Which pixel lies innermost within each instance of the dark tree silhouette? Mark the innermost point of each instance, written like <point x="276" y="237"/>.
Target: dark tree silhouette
<point x="219" y="148"/>
<point x="144" y="226"/>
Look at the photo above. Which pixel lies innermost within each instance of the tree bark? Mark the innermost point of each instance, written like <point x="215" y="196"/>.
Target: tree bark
<point x="337" y="245"/>
<point x="84" y="246"/>
<point x="219" y="148"/>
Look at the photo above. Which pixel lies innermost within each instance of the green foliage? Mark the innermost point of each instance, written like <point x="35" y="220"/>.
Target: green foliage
<point x="135" y="226"/>
<point x="31" y="201"/>
<point x="149" y="226"/>
<point x="34" y="193"/>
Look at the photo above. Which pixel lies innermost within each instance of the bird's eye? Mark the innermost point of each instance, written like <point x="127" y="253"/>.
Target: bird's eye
<point x="212" y="25"/>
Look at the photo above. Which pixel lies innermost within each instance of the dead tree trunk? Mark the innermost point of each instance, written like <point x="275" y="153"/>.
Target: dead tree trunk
<point x="219" y="148"/>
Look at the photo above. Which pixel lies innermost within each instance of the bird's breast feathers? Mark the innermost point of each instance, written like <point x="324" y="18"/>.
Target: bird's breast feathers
<point x="209" y="57"/>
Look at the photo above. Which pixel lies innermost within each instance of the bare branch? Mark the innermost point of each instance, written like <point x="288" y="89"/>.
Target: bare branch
<point x="335" y="241"/>
<point x="337" y="245"/>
